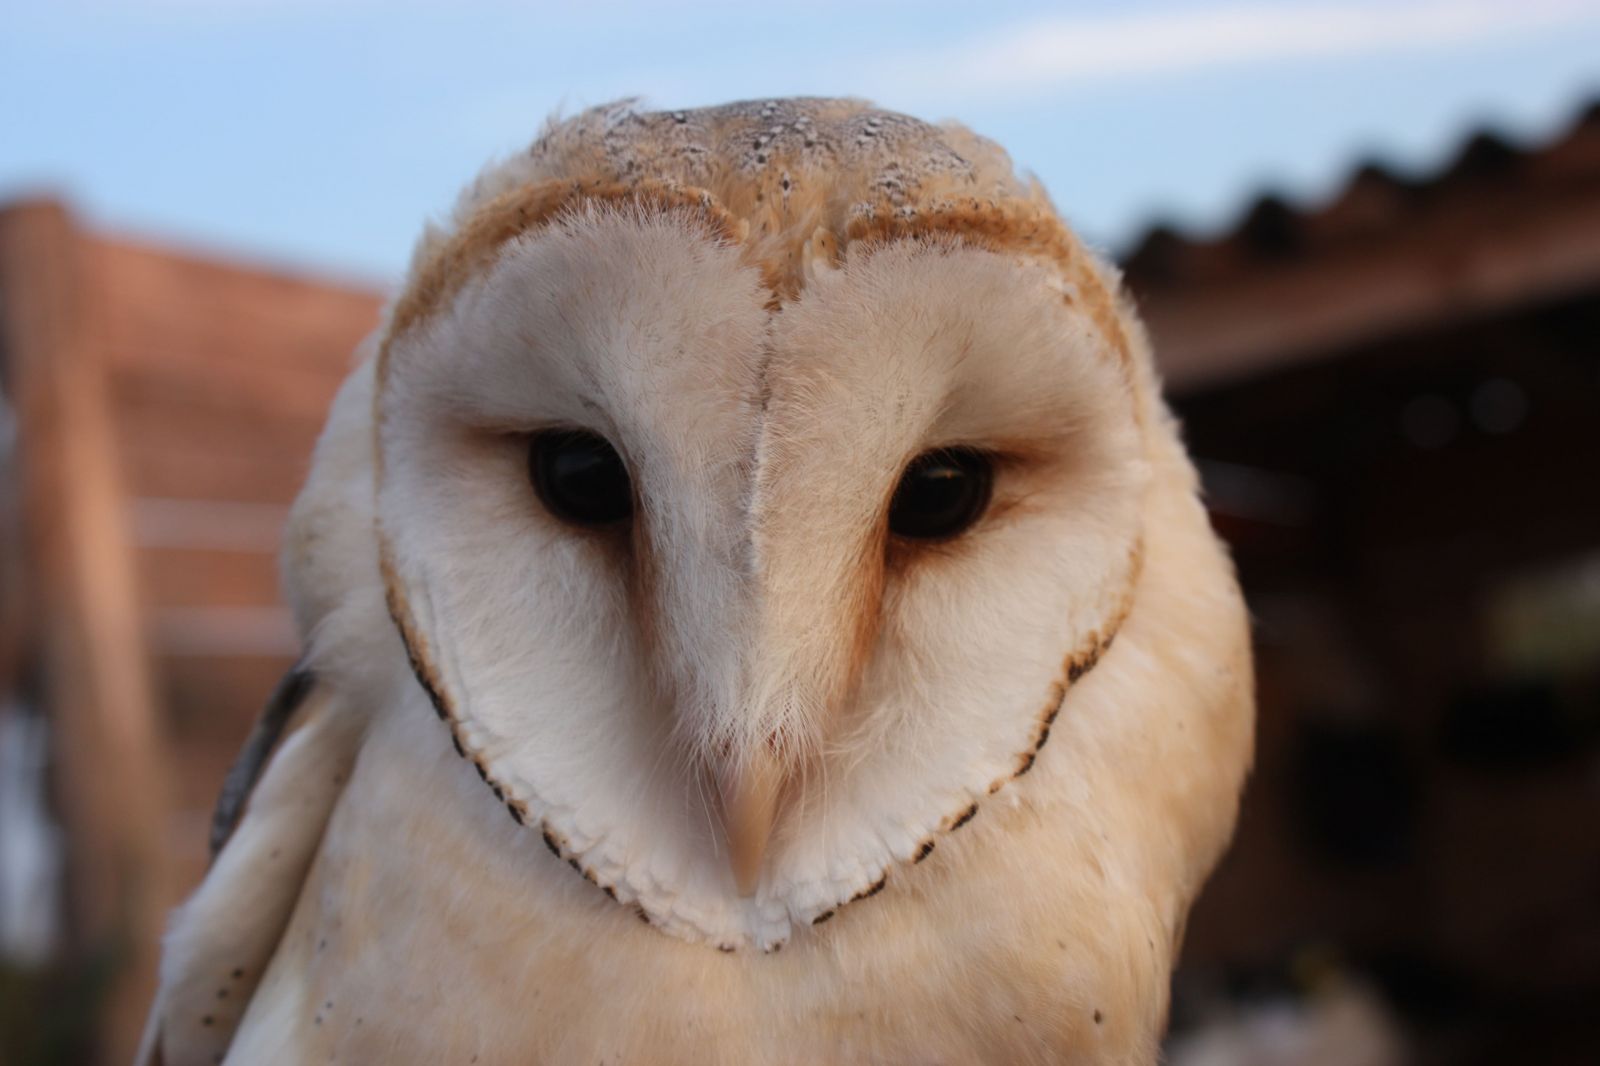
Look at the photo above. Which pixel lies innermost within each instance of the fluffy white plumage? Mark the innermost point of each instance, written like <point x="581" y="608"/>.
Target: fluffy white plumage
<point x="769" y="310"/>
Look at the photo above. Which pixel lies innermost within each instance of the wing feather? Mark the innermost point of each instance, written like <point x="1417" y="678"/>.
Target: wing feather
<point x="286" y="698"/>
<point x="268" y="824"/>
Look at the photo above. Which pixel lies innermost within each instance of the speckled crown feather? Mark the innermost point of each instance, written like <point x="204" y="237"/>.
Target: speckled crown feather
<point x="787" y="166"/>
<point x="792" y="180"/>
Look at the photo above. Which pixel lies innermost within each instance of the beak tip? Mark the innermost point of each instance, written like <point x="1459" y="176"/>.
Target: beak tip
<point x="749" y="809"/>
<point x="746" y="875"/>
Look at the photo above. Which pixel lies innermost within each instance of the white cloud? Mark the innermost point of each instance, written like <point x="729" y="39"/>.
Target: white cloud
<point x="1038" y="56"/>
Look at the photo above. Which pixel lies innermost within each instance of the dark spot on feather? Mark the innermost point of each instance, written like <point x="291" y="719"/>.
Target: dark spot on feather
<point x="872" y="889"/>
<point x="207" y="1020"/>
<point x="455" y="742"/>
<point x="824" y="916"/>
<point x="1098" y="1017"/>
<point x="576" y="865"/>
<point x="419" y="668"/>
<point x="923" y="852"/>
<point x="550" y="842"/>
<point x="726" y="949"/>
<point x="482" y="773"/>
<point x="640" y="913"/>
<point x="966" y="816"/>
<point x="1087" y="662"/>
<point x="1025" y="764"/>
<point x="609" y="891"/>
<point x="516" y="813"/>
<point x="237" y="974"/>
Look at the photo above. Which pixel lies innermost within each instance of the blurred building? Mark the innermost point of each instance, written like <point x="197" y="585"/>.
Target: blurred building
<point x="1394" y="400"/>
<point x="163" y="408"/>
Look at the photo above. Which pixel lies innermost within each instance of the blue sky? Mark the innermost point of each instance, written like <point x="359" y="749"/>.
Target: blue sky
<point x="317" y="134"/>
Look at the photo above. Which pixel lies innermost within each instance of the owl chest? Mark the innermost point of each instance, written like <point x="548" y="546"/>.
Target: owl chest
<point x="433" y="929"/>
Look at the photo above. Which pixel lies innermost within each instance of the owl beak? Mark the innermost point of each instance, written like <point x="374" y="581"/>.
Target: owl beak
<point x="750" y="791"/>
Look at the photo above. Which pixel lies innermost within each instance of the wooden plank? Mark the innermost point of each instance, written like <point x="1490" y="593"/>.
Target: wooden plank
<point x="230" y="527"/>
<point x="168" y="307"/>
<point x="212" y="426"/>
<point x="243" y="388"/>
<point x="201" y="454"/>
<point x="197" y="579"/>
<point x="186" y="471"/>
<point x="109" y="765"/>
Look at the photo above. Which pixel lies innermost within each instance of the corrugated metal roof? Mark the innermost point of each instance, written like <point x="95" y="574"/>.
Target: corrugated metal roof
<point x="1375" y="197"/>
<point x="1500" y="227"/>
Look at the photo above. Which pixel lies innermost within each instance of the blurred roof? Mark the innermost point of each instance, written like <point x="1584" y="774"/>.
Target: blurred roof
<point x="1500" y="225"/>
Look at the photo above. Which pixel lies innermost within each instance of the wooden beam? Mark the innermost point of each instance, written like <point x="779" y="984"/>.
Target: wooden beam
<point x="89" y="659"/>
<point x="1476" y="257"/>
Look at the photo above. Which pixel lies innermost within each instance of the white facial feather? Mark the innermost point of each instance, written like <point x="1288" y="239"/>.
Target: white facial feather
<point x="597" y="680"/>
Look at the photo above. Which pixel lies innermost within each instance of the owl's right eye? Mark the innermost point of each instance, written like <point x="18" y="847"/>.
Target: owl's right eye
<point x="580" y="477"/>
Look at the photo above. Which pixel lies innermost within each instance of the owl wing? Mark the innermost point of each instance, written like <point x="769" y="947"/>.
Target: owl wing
<point x="269" y="820"/>
<point x="280" y="793"/>
<point x="286" y="698"/>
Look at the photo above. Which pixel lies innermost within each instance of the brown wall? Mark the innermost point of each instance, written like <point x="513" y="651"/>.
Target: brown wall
<point x="167" y="406"/>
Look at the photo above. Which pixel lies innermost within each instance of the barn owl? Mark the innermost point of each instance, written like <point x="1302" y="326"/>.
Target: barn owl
<point x="757" y="610"/>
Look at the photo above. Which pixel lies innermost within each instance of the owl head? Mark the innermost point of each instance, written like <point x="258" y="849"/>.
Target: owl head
<point x="759" y="489"/>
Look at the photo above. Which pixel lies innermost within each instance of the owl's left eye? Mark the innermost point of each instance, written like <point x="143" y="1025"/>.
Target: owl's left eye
<point x="580" y="477"/>
<point x="941" y="493"/>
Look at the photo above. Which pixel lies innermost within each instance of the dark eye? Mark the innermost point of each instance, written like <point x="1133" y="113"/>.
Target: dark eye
<point x="941" y="493"/>
<point x="580" y="477"/>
